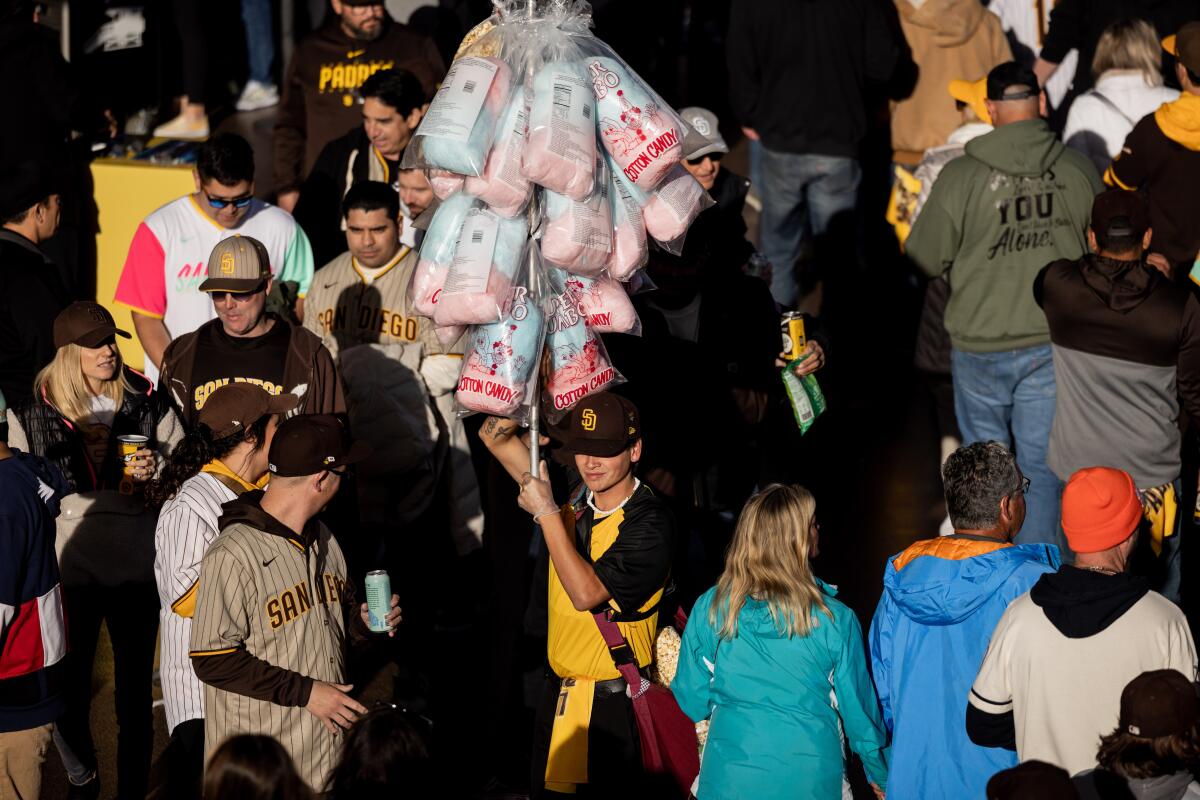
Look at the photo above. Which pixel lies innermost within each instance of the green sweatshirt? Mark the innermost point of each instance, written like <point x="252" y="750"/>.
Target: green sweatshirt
<point x="1016" y="201"/>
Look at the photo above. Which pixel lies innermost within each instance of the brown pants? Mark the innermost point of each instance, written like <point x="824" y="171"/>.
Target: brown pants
<point x="21" y="757"/>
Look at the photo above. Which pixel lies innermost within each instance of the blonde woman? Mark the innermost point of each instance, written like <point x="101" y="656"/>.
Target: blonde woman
<point x="1127" y="68"/>
<point x="82" y="401"/>
<point x="778" y="666"/>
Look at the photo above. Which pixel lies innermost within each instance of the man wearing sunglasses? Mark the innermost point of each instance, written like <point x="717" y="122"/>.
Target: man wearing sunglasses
<point x="246" y="343"/>
<point x="166" y="261"/>
<point x="705" y="148"/>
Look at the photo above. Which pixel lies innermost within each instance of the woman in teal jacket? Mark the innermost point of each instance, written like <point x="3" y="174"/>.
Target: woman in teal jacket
<point x="778" y="666"/>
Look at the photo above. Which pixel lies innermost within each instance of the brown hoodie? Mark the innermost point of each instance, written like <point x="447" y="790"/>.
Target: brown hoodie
<point x="950" y="40"/>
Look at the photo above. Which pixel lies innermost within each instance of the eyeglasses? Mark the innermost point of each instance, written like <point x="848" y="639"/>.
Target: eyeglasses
<point x="238" y="297"/>
<point x="714" y="157"/>
<point x="221" y="202"/>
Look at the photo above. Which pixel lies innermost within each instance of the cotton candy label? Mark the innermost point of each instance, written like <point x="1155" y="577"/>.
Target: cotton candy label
<point x="642" y="137"/>
<point x="457" y="105"/>
<point x="473" y="258"/>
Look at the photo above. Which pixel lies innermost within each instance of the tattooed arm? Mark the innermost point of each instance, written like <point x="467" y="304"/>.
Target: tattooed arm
<point x="500" y="436"/>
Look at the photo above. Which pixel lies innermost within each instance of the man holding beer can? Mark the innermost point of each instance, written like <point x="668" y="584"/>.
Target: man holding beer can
<point x="273" y="606"/>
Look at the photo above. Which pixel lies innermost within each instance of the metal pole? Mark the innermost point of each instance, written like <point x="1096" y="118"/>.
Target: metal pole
<point x="535" y="428"/>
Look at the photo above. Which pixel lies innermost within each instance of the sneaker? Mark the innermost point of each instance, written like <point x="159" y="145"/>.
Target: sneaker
<point x="256" y="96"/>
<point x="181" y="128"/>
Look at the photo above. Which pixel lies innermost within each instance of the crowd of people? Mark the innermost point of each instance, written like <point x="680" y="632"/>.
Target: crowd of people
<point x="294" y="428"/>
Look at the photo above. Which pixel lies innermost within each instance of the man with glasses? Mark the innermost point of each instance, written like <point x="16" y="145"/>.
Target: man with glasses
<point x="941" y="599"/>
<point x="321" y="100"/>
<point x="166" y="261"/>
<point x="246" y="343"/>
<point x="705" y="148"/>
<point x="275" y="607"/>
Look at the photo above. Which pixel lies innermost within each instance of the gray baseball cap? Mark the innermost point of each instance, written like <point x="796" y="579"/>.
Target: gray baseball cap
<point x="704" y="136"/>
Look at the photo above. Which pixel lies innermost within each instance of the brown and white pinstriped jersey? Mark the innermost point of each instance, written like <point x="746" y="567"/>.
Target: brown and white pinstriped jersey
<point x="287" y="607"/>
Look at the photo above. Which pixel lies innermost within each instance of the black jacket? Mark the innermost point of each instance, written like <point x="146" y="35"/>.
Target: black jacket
<point x="31" y="296"/>
<point x="56" y="438"/>
<point x="342" y="162"/>
<point x="797" y="70"/>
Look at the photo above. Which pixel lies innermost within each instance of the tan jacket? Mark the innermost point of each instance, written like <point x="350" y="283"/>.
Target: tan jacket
<point x="950" y="40"/>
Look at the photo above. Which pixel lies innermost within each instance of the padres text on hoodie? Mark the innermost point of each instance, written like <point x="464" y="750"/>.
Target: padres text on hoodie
<point x="1016" y="201"/>
<point x="941" y="600"/>
<point x="1162" y="156"/>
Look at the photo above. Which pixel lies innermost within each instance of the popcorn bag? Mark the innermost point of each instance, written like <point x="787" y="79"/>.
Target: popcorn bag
<point x="630" y="251"/>
<point x="561" y="153"/>
<point x="502" y="186"/>
<point x="478" y="281"/>
<point x="456" y="133"/>
<point x="640" y="131"/>
<point x="578" y="363"/>
<point x="604" y="304"/>
<point x="577" y="236"/>
<point x="437" y="252"/>
<point x="498" y="375"/>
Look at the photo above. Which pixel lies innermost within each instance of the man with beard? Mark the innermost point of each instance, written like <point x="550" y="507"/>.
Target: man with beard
<point x="319" y="92"/>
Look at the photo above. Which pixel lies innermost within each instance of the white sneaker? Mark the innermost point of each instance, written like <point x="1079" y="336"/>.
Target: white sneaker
<point x="257" y="95"/>
<point x="180" y="128"/>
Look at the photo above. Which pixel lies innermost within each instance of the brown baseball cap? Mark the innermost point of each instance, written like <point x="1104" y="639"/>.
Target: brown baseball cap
<point x="603" y="425"/>
<point x="1161" y="702"/>
<point x="86" y="324"/>
<point x="312" y="443"/>
<point x="236" y="406"/>
<point x="1185" y="46"/>
<point x="237" y="264"/>
<point x="1031" y="780"/>
<point x="1117" y="212"/>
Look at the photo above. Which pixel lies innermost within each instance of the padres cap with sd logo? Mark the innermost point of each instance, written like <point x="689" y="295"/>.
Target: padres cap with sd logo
<point x="86" y="324"/>
<point x="311" y="443"/>
<point x="237" y="264"/>
<point x="603" y="425"/>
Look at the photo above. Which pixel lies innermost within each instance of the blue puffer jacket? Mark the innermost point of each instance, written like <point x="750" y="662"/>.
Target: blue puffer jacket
<point x="941" y="600"/>
<point x="780" y="706"/>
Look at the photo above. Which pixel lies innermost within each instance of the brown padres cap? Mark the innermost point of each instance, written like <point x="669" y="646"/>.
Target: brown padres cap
<point x="312" y="443"/>
<point x="1185" y="46"/>
<point x="1158" y="703"/>
<point x="236" y="406"/>
<point x="1032" y="780"/>
<point x="603" y="425"/>
<point x="237" y="264"/>
<point x="86" y="324"/>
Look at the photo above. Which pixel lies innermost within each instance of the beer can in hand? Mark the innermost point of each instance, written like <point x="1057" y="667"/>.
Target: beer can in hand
<point x="792" y="330"/>
<point x="379" y="600"/>
<point x="130" y="444"/>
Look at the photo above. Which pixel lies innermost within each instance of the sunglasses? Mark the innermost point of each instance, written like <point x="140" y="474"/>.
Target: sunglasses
<point x="238" y="297"/>
<point x="221" y="202"/>
<point x="714" y="157"/>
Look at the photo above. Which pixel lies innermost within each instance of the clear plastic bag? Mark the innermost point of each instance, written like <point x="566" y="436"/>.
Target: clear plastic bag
<point x="578" y="362"/>
<point x="456" y="133"/>
<point x="485" y="261"/>
<point x="444" y="183"/>
<point x="561" y="152"/>
<point x="642" y="133"/>
<point x="630" y="250"/>
<point x="577" y="236"/>
<point x="502" y="186"/>
<point x="672" y="207"/>
<point x="604" y="304"/>
<point x="498" y="373"/>
<point x="437" y="252"/>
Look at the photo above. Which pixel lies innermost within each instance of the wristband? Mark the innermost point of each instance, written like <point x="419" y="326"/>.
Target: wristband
<point x="536" y="517"/>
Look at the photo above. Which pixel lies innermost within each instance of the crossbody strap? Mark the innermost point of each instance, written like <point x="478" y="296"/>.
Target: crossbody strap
<point x="1112" y="106"/>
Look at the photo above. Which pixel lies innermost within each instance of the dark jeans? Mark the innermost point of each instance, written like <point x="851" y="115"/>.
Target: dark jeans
<point x="614" y="751"/>
<point x="185" y="760"/>
<point x="131" y="612"/>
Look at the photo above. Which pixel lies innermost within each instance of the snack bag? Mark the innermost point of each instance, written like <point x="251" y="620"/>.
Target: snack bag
<point x="561" y="152"/>
<point x="502" y="186"/>
<point x="577" y="236"/>
<point x="604" y="305"/>
<point x="456" y="133"/>
<point x="498" y="366"/>
<point x="437" y="252"/>
<point x="488" y="253"/>
<point x="444" y="183"/>
<point x="805" y="395"/>
<point x="673" y="206"/>
<point x="630" y="251"/>
<point x="578" y="362"/>
<point x="641" y="132"/>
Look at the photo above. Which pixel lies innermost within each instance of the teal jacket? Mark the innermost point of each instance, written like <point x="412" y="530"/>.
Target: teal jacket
<point x="1016" y="201"/>
<point x="779" y="705"/>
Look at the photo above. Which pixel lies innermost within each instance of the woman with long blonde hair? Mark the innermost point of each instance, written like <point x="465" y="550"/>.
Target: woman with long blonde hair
<point x="83" y="401"/>
<point x="777" y="664"/>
